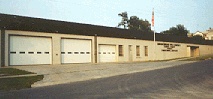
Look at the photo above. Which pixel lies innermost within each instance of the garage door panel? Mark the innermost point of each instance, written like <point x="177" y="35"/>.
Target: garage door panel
<point x="31" y="59"/>
<point x="30" y="50"/>
<point x="75" y="51"/>
<point x="30" y="43"/>
<point x="75" y="45"/>
<point x="76" y="58"/>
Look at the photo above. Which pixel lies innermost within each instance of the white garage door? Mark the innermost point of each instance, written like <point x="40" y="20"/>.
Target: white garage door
<point x="30" y="50"/>
<point x="107" y="53"/>
<point x="75" y="51"/>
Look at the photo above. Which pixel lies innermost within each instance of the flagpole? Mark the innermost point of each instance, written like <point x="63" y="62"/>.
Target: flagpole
<point x="154" y="44"/>
<point x="154" y="34"/>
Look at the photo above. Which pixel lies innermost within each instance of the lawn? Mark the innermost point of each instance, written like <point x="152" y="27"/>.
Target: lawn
<point x="12" y="71"/>
<point x="17" y="83"/>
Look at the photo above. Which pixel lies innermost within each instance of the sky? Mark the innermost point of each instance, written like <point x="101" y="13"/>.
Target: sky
<point x="195" y="15"/>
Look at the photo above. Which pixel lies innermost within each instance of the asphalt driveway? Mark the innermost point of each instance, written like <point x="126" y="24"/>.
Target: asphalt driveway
<point x="65" y="73"/>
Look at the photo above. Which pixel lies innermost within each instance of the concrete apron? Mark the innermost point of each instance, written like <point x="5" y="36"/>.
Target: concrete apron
<point x="61" y="74"/>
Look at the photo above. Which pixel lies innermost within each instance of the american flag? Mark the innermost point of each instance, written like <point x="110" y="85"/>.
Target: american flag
<point x="153" y="20"/>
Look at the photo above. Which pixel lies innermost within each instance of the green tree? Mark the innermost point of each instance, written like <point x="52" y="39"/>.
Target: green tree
<point x="179" y="30"/>
<point x="124" y="21"/>
<point x="134" y="23"/>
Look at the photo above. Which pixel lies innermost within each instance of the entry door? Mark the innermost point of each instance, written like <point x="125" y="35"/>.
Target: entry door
<point x="188" y="51"/>
<point x="192" y="52"/>
<point x="75" y="51"/>
<point x="195" y="51"/>
<point x="130" y="53"/>
<point x="107" y="53"/>
<point x="25" y="50"/>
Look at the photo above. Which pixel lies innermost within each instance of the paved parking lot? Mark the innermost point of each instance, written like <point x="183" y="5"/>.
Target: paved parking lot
<point x="60" y="74"/>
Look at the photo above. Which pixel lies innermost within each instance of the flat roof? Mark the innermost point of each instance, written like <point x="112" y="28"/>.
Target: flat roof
<point x="15" y="22"/>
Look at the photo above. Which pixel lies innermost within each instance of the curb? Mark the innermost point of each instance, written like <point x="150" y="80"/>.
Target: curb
<point x="19" y="76"/>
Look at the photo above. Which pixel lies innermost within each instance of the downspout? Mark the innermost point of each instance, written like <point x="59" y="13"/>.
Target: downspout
<point x="96" y="51"/>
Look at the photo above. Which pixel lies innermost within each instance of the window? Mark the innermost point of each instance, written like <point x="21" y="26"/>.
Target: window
<point x="120" y="49"/>
<point x="30" y="52"/>
<point x="137" y="50"/>
<point x="21" y="52"/>
<point x="38" y="52"/>
<point x="88" y="52"/>
<point x="146" y="50"/>
<point x="48" y="52"/>
<point x="12" y="52"/>
<point x="62" y="52"/>
<point x="82" y="53"/>
<point x="76" y="52"/>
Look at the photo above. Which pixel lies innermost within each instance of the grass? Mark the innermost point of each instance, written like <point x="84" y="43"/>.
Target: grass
<point x="12" y="71"/>
<point x="200" y="58"/>
<point x="17" y="83"/>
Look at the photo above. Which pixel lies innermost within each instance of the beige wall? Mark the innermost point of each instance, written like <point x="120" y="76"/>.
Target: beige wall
<point x="160" y="55"/>
<point x="56" y="50"/>
<point x="188" y="52"/>
<point x="202" y="50"/>
<point x="206" y="50"/>
<point x="56" y="43"/>
<point x="181" y="51"/>
<point x="126" y="43"/>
